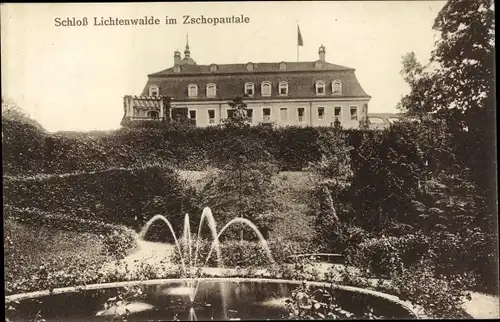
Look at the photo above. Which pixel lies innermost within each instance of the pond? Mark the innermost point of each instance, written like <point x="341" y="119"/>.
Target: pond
<point x="185" y="299"/>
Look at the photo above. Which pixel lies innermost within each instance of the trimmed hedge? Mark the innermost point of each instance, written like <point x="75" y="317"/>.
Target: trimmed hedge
<point x="188" y="148"/>
<point x="121" y="196"/>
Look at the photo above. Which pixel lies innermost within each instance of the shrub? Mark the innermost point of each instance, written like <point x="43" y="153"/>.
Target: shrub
<point x="234" y="253"/>
<point x="242" y="189"/>
<point x="120" y="242"/>
<point x="122" y="196"/>
<point x="441" y="297"/>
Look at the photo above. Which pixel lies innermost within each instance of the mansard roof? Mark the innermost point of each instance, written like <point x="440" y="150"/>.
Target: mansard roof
<point x="242" y="68"/>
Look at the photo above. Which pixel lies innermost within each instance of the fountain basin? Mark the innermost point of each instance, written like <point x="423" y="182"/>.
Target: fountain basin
<point x="246" y="298"/>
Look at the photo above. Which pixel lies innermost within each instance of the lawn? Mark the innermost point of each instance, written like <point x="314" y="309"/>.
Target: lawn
<point x="37" y="245"/>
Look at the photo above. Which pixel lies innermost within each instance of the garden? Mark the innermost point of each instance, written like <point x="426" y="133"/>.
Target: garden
<point x="410" y="209"/>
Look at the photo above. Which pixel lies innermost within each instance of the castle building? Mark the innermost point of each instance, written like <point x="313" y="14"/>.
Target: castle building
<point x="314" y="93"/>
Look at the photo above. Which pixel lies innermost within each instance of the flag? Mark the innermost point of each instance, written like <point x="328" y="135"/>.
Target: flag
<point x="300" y="42"/>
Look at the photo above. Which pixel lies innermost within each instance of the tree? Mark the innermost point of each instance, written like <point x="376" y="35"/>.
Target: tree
<point x="457" y="86"/>
<point x="458" y="83"/>
<point x="334" y="172"/>
<point x="242" y="189"/>
<point x="239" y="117"/>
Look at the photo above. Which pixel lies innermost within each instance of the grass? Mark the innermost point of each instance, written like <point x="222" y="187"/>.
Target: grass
<point x="292" y="189"/>
<point x="36" y="245"/>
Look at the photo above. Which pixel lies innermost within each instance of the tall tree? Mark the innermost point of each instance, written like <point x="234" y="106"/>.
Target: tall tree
<point x="458" y="86"/>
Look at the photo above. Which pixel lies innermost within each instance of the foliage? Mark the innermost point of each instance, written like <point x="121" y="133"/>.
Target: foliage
<point x="123" y="196"/>
<point x="57" y="258"/>
<point x="320" y="304"/>
<point x="234" y="253"/>
<point x="239" y="118"/>
<point x="458" y="88"/>
<point x="118" y="304"/>
<point x="120" y="242"/>
<point x="441" y="297"/>
<point x="242" y="189"/>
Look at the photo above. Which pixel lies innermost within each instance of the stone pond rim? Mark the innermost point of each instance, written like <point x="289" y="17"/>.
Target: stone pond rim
<point x="75" y="289"/>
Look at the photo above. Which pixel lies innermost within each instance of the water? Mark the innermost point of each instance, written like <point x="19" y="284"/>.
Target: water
<point x="254" y="299"/>
<point x="189" y="261"/>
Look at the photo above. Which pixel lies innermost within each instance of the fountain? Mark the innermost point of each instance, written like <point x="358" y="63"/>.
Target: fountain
<point x="248" y="298"/>
<point x="189" y="263"/>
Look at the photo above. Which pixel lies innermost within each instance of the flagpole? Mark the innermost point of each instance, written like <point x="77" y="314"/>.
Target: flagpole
<point x="297" y="42"/>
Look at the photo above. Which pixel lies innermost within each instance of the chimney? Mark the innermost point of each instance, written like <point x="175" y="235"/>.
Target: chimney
<point x="177" y="57"/>
<point x="321" y="53"/>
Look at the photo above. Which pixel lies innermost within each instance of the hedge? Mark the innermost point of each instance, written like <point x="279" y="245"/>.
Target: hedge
<point x="121" y="196"/>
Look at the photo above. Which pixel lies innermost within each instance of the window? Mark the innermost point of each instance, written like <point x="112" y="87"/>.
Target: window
<point x="265" y="88"/>
<point x="320" y="88"/>
<point x="211" y="116"/>
<point x="267" y="114"/>
<point x="211" y="90"/>
<point x="284" y="113"/>
<point x="300" y="110"/>
<point x="213" y="68"/>
<point x="230" y="114"/>
<point x="249" y="89"/>
<point x="283" y="88"/>
<point x="354" y="113"/>
<point x="336" y="87"/>
<point x="192" y="114"/>
<point x="193" y="90"/>
<point x="249" y="114"/>
<point x="154" y="90"/>
<point x="282" y="66"/>
<point x="321" y="112"/>
<point x="177" y="69"/>
<point x="336" y="112"/>
<point x="153" y="114"/>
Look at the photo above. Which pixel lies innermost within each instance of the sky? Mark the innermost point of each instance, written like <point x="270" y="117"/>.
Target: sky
<point x="74" y="78"/>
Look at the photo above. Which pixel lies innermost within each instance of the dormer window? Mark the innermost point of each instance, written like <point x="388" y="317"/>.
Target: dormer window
<point x="318" y="64"/>
<point x="249" y="89"/>
<point x="336" y="87"/>
<point x="193" y="90"/>
<point x="250" y="66"/>
<point x="265" y="88"/>
<point x="213" y="68"/>
<point x="320" y="88"/>
<point x="154" y="91"/>
<point x="211" y="90"/>
<point x="282" y="66"/>
<point x="177" y="69"/>
<point x="283" y="88"/>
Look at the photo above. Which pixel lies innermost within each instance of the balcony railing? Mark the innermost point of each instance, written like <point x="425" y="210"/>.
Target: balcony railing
<point x="211" y="121"/>
<point x="266" y="118"/>
<point x="144" y="118"/>
<point x="301" y="119"/>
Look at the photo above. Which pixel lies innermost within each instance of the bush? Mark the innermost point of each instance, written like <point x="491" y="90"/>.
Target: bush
<point x="380" y="256"/>
<point x="242" y="189"/>
<point x="441" y="297"/>
<point x="122" y="196"/>
<point x="120" y="242"/>
<point x="234" y="253"/>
